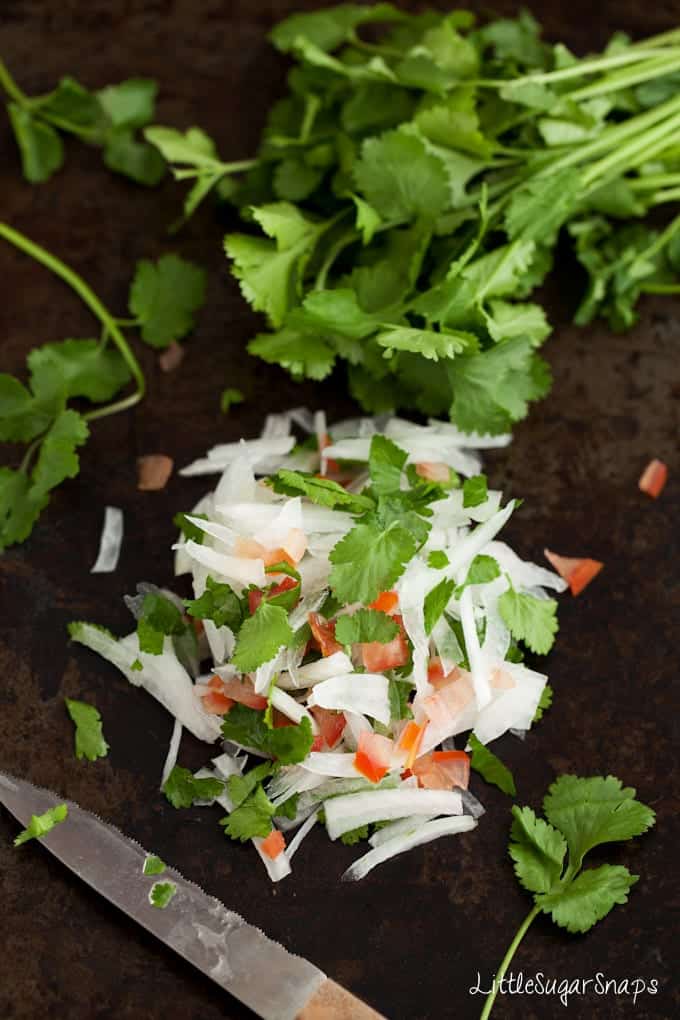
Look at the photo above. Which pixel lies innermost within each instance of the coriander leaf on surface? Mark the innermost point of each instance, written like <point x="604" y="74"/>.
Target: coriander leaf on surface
<point x="246" y="726"/>
<point x="400" y="178"/>
<point x="153" y="865"/>
<point x="193" y="147"/>
<point x="219" y="603"/>
<point x="158" y="618"/>
<point x="40" y="825"/>
<point x="327" y="29"/>
<point x="538" y="209"/>
<point x="188" y="529"/>
<point x="291" y="744"/>
<point x="544" y="703"/>
<point x="85" y="367"/>
<point x="594" y="811"/>
<point x="161" y="893"/>
<point x="354" y="836"/>
<point x="482" y="570"/>
<point x="365" y="625"/>
<point x="261" y="636"/>
<point x="437" y="559"/>
<point x="240" y="788"/>
<point x="182" y="788"/>
<point x="58" y="459"/>
<point x="289" y="807"/>
<point x="19" y="507"/>
<point x="125" y="154"/>
<point x="399" y="692"/>
<point x="89" y="739"/>
<point x="537" y="850"/>
<point x="164" y="298"/>
<point x="490" y="767"/>
<point x="229" y="398"/>
<point x="589" y="898"/>
<point x="303" y="355"/>
<point x="474" y="491"/>
<point x="131" y="103"/>
<point x="42" y="152"/>
<point x="426" y="342"/>
<point x="505" y="319"/>
<point x="436" y="602"/>
<point x="368" y="560"/>
<point x="529" y="619"/>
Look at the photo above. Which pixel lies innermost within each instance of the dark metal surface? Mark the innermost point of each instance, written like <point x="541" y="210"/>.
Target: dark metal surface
<point x="412" y="937"/>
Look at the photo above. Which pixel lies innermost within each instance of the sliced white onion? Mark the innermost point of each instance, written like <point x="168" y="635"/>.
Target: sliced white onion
<point x="424" y="834"/>
<point x="470" y="439"/>
<point x="331" y="666"/>
<point x="367" y="693"/>
<point x="402" y="827"/>
<point x="349" y="812"/>
<point x="479" y="669"/>
<point x="523" y="573"/>
<point x="173" y="752"/>
<point x="466" y="550"/>
<point x="355" y="725"/>
<point x="415" y="583"/>
<point x="227" y="765"/>
<point x="514" y="708"/>
<point x="291" y="708"/>
<point x="258" y="452"/>
<point x="303" y="831"/>
<point x="110" y="541"/>
<point x="331" y="763"/>
<point x="237" y="569"/>
<point x="221" y="532"/>
<point x="277" y="868"/>
<point x="237" y="483"/>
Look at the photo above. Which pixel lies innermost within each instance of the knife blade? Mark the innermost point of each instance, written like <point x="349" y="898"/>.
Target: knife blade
<point x="261" y="973"/>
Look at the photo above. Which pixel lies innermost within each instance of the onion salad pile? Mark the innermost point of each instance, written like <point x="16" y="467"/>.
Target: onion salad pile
<point x="356" y="624"/>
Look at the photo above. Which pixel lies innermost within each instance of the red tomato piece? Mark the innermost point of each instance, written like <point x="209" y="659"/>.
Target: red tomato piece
<point x="378" y="657"/>
<point x="653" y="478"/>
<point x="576" y="571"/>
<point x="442" y="770"/>
<point x="331" y="724"/>
<point x="217" y="703"/>
<point x="409" y="741"/>
<point x="385" y="602"/>
<point x="324" y="635"/>
<point x="242" y="691"/>
<point x="373" y="756"/>
<point x="255" y="595"/>
<point x="433" y="471"/>
<point x="274" y="844"/>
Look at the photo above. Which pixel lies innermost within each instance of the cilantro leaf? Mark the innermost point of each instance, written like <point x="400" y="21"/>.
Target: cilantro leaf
<point x="322" y="491"/>
<point x="188" y="529"/>
<point x="301" y="354"/>
<point x="529" y="619"/>
<point x="219" y="603"/>
<point x="289" y="807"/>
<point x="42" y="152"/>
<point x="90" y="741"/>
<point x="20" y="507"/>
<point x="400" y="178"/>
<point x="537" y="850"/>
<point x="490" y="767"/>
<point x="594" y="811"/>
<point x="482" y="570"/>
<point x="129" y="104"/>
<point x="161" y="893"/>
<point x="58" y="459"/>
<point x="437" y="559"/>
<point x="474" y="491"/>
<point x="40" y="825"/>
<point x="230" y="397"/>
<point x="252" y="818"/>
<point x="164" y="298"/>
<point x="137" y="160"/>
<point x="426" y="342"/>
<point x="538" y="208"/>
<point x="386" y="462"/>
<point x="368" y="560"/>
<point x="158" y="618"/>
<point x="589" y="898"/>
<point x="354" y="836"/>
<point x="436" y="602"/>
<point x="241" y="787"/>
<point x="364" y="626"/>
<point x="182" y="788"/>
<point x="327" y="29"/>
<point x="85" y="367"/>
<point x="399" y="691"/>
<point x="153" y="865"/>
<point x="288" y="744"/>
<point x="544" y="703"/>
<point x="261" y="636"/>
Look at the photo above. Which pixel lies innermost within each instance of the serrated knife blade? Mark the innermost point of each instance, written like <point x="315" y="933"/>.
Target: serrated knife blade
<point x="261" y="973"/>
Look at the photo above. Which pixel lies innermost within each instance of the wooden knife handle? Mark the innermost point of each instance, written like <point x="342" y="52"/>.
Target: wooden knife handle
<point x="333" y="1002"/>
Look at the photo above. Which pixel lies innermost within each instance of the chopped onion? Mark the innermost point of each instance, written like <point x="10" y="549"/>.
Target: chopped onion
<point x="367" y="693"/>
<point x="303" y="831"/>
<point x="331" y="763"/>
<point x="423" y="834"/>
<point x="237" y="569"/>
<point x="227" y="765"/>
<point x="401" y="827"/>
<point x="514" y="708"/>
<point x="153" y="472"/>
<point x="351" y="811"/>
<point x="479" y="669"/>
<point x="291" y="708"/>
<point x="355" y="725"/>
<point x="110" y="541"/>
<point x="277" y="868"/>
<point x="335" y="665"/>
<point x="474" y="543"/>
<point x="173" y="751"/>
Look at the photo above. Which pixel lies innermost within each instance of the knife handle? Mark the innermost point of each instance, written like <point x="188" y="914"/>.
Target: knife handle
<point x="333" y="1002"/>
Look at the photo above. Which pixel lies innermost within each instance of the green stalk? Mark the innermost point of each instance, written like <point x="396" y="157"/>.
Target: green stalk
<point x="10" y="86"/>
<point x="660" y="288"/>
<point x="640" y="147"/>
<point x="670" y="195"/>
<point x="594" y="66"/>
<point x="218" y="170"/>
<point x="507" y="959"/>
<point x="613" y="83"/>
<point x="87" y="295"/>
<point x="652" y="181"/>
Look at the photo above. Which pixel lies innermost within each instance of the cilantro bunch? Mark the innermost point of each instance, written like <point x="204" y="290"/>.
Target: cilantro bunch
<point x="410" y="188"/>
<point x="109" y="119"/>
<point x="49" y="416"/>
<point x="548" y="855"/>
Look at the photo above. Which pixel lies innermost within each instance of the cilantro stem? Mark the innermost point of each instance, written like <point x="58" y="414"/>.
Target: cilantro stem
<point x="594" y="66"/>
<point x="613" y="83"/>
<point x="639" y="146"/>
<point x="660" y="288"/>
<point x="10" y="86"/>
<point x="507" y="959"/>
<point x="87" y="295"/>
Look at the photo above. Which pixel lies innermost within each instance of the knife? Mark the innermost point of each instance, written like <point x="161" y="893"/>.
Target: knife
<point x="261" y="973"/>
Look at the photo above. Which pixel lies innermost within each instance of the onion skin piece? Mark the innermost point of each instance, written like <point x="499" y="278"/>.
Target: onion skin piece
<point x="577" y="572"/>
<point x="653" y="478"/>
<point x="153" y="472"/>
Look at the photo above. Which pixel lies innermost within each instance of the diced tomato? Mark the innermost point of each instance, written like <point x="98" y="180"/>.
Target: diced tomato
<point x="433" y="471"/>
<point x="442" y="770"/>
<point x="255" y="595"/>
<point x="324" y="634"/>
<point x="332" y="466"/>
<point x="331" y="724"/>
<point x="577" y="572"/>
<point x="197" y="625"/>
<point x="249" y="549"/>
<point x="653" y="478"/>
<point x="436" y="675"/>
<point x="410" y="741"/>
<point x="274" y="844"/>
<point x="280" y="720"/>
<point x="295" y="544"/>
<point x="217" y="703"/>
<point x="373" y="756"/>
<point x="378" y="657"/>
<point x="453" y="695"/>
<point x="317" y="743"/>
<point x="385" y="602"/>
<point x="241" y="691"/>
